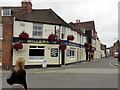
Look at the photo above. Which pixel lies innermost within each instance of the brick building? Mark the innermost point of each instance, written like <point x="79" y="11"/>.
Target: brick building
<point x="8" y="15"/>
<point x="114" y="48"/>
<point x="89" y="29"/>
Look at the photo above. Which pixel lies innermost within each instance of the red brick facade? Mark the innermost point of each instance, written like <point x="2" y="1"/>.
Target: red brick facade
<point x="8" y="24"/>
<point x="7" y="41"/>
<point x="0" y="51"/>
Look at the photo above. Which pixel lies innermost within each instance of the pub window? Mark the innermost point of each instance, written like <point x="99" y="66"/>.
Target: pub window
<point x="72" y="53"/>
<point x="37" y="30"/>
<point x="36" y="53"/>
<point x="6" y="12"/>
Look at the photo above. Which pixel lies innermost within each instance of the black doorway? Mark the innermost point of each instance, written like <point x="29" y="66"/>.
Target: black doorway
<point x="63" y="57"/>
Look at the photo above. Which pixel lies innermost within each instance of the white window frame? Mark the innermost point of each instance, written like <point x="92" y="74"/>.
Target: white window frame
<point x="72" y="56"/>
<point x="37" y="58"/>
<point x="38" y="28"/>
<point x="6" y="12"/>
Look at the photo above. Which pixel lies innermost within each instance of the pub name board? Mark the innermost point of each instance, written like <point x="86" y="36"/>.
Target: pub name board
<point x="37" y="41"/>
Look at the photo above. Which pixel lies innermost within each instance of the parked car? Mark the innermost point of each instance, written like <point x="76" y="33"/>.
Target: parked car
<point x="116" y="54"/>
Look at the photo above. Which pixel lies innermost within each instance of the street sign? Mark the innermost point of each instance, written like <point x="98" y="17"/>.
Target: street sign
<point x="58" y="34"/>
<point x="118" y="49"/>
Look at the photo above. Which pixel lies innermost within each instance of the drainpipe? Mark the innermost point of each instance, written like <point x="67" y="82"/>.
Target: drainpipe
<point x="80" y="47"/>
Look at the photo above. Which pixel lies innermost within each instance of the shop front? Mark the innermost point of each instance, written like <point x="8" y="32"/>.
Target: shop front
<point x="35" y="51"/>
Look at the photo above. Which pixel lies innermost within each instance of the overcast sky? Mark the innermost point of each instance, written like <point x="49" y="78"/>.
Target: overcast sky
<point x="103" y="12"/>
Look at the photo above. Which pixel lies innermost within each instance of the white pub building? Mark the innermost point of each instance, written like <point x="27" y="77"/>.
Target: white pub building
<point x="39" y="24"/>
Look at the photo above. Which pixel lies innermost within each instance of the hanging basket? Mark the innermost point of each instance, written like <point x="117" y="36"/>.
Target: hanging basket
<point x="23" y="36"/>
<point x="17" y="46"/>
<point x="51" y="37"/>
<point x="62" y="46"/>
<point x="70" y="37"/>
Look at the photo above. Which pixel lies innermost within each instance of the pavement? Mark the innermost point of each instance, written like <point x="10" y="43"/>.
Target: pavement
<point x="113" y="63"/>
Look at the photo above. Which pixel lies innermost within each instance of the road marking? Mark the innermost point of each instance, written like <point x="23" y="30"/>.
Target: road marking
<point x="113" y="65"/>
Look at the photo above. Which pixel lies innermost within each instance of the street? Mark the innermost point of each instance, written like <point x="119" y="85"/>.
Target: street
<point x="98" y="73"/>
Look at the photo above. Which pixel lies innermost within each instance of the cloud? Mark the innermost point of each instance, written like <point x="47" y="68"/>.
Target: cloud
<point x="103" y="12"/>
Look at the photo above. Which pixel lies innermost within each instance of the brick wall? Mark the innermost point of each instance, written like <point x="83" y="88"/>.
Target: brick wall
<point x="0" y="50"/>
<point x="7" y="41"/>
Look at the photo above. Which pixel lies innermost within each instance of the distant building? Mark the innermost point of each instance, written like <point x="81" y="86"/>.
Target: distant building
<point x="114" y="48"/>
<point x="92" y="39"/>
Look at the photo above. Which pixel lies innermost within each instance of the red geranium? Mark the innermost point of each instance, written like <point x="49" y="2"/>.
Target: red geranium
<point x="51" y="37"/>
<point x="70" y="37"/>
<point x="23" y="36"/>
<point x="17" y="45"/>
<point x="62" y="46"/>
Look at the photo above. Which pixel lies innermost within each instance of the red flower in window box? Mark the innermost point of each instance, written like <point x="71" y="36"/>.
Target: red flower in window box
<point x="17" y="46"/>
<point x="62" y="46"/>
<point x="23" y="36"/>
<point x="51" y="37"/>
<point x="70" y="37"/>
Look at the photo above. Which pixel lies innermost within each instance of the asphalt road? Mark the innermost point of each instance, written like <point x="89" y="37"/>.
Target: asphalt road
<point x="98" y="73"/>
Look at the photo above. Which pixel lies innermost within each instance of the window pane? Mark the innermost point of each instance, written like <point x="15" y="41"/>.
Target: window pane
<point x="37" y="30"/>
<point x="32" y="46"/>
<point x="72" y="53"/>
<point x="39" y="33"/>
<point x="40" y="46"/>
<point x="34" y="33"/>
<point x="6" y="12"/>
<point x="36" y="52"/>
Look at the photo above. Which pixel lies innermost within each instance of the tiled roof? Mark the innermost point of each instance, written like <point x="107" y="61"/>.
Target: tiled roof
<point x="88" y="25"/>
<point x="42" y="16"/>
<point x="72" y="25"/>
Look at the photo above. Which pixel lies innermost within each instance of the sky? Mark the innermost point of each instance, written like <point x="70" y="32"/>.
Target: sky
<point x="103" y="12"/>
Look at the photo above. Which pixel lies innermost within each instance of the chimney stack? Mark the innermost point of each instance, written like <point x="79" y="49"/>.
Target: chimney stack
<point x="77" y="25"/>
<point x="77" y="21"/>
<point x="27" y="5"/>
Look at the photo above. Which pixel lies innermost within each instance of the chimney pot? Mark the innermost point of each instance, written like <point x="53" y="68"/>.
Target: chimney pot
<point x="27" y="5"/>
<point x="77" y="21"/>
